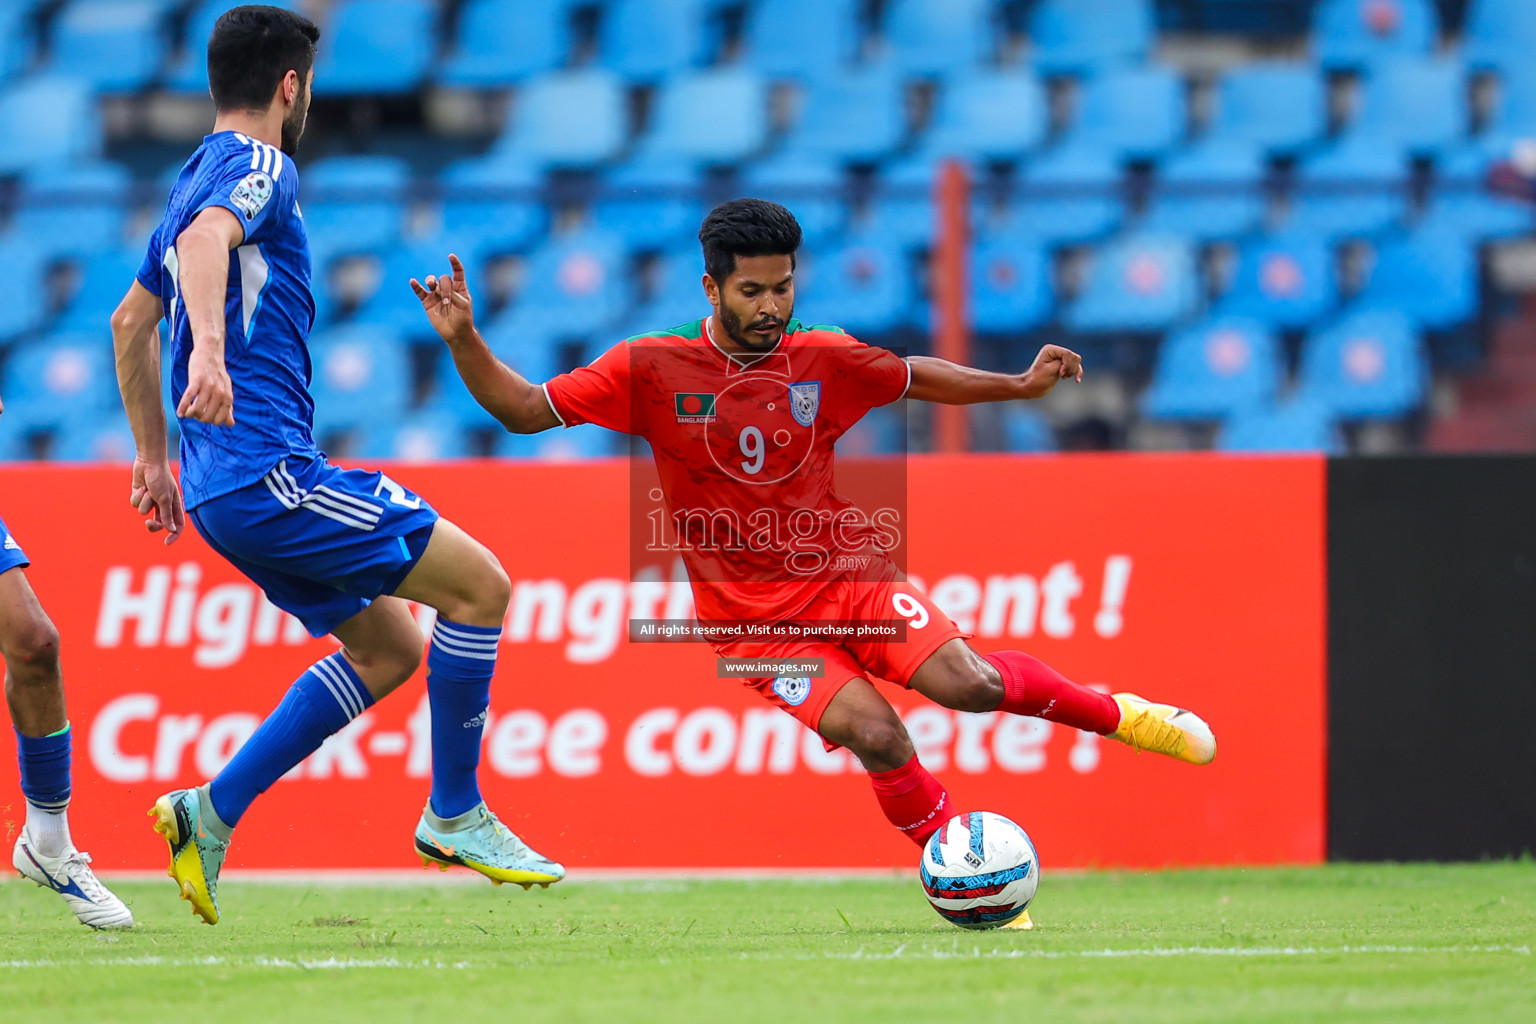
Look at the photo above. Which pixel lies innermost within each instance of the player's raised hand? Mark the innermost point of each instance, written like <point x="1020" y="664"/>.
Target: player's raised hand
<point x="447" y="302"/>
<point x="1054" y="363"/>
<point x="157" y="496"/>
<point x="210" y="397"/>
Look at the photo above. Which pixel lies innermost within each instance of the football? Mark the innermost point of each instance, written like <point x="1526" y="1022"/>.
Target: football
<point x="980" y="870"/>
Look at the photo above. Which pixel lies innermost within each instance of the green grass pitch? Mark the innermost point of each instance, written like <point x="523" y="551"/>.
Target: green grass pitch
<point x="1341" y="943"/>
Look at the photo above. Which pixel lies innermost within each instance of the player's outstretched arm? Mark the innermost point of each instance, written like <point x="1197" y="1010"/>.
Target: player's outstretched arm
<point x="136" y="345"/>
<point x="519" y="405"/>
<point x="203" y="253"/>
<point x="938" y="380"/>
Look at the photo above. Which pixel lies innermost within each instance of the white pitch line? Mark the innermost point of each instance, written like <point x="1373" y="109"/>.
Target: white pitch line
<point x="976" y="953"/>
<point x="328" y="964"/>
<point x="899" y="953"/>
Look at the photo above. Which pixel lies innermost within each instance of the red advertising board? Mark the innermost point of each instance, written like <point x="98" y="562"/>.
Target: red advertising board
<point x="1198" y="580"/>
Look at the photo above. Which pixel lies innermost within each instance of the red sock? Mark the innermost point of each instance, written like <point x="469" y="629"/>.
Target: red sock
<point x="1033" y="688"/>
<point x="912" y="799"/>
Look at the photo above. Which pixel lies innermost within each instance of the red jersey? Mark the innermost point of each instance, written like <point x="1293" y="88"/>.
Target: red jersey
<point x="744" y="451"/>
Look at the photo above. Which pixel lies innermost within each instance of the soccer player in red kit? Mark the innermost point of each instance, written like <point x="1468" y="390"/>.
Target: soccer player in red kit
<point x="742" y="410"/>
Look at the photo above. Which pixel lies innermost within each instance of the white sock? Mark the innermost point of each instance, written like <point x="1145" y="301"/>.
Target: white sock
<point x="49" y="831"/>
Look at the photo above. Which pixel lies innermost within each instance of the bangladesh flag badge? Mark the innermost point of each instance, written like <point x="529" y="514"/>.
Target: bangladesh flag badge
<point x="694" y="407"/>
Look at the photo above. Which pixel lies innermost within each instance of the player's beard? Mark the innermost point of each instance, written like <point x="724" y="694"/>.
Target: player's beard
<point x="293" y="126"/>
<point x="742" y="334"/>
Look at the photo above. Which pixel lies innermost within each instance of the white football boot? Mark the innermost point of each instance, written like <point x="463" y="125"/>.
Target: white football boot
<point x="70" y="876"/>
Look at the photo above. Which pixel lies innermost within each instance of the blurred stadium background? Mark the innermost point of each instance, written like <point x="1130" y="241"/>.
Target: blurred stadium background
<point x="1265" y="222"/>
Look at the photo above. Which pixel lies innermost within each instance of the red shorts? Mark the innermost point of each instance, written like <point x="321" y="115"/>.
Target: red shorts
<point x="927" y="629"/>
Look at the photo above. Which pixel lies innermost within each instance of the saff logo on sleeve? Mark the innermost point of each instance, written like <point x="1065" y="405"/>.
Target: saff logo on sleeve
<point x="792" y="690"/>
<point x="253" y="192"/>
<point x="694" y="407"/>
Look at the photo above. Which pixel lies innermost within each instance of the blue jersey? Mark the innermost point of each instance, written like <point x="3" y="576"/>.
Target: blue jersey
<point x="268" y="312"/>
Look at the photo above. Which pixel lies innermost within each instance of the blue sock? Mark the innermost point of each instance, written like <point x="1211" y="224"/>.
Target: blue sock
<point x="319" y="703"/>
<point x="45" y="770"/>
<point x="459" y="667"/>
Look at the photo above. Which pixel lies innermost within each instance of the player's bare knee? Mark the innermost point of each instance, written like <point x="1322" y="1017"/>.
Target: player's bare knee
<point x="978" y="688"/>
<point x="497" y="589"/>
<point x="32" y="649"/>
<point x="389" y="661"/>
<point x="484" y="595"/>
<point x="881" y="744"/>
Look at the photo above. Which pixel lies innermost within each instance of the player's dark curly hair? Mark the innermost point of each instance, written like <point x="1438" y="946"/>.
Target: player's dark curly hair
<point x="746" y="227"/>
<point x="250" y="51"/>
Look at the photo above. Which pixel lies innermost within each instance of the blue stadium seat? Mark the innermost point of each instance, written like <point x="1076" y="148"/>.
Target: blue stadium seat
<point x="1010" y="285"/>
<point x="75" y="210"/>
<point x="1370" y="365"/>
<point x="1430" y="275"/>
<point x="353" y="204"/>
<point x="51" y="381"/>
<point x="902" y="208"/>
<point x="393" y="304"/>
<point x="101" y="438"/>
<point x="1220" y="367"/>
<point x="1460" y="201"/>
<point x="1026" y="430"/>
<point x="1285" y="281"/>
<point x="1137" y="283"/>
<point x="362" y="377"/>
<point x="47" y="121"/>
<point x="568" y="119"/>
<point x="1076" y="37"/>
<point x="420" y="437"/>
<point x="17" y="36"/>
<point x="491" y="206"/>
<point x="501" y="42"/>
<point x="1138" y="112"/>
<point x="932" y="37"/>
<point x="881" y="431"/>
<point x="562" y="445"/>
<point x="1351" y="34"/>
<point x="104" y="279"/>
<point x="652" y="39"/>
<point x="1500" y="34"/>
<point x="806" y="39"/>
<point x="376" y="46"/>
<point x="1070" y="194"/>
<point x="115" y="44"/>
<point x="651" y="203"/>
<point x="532" y="355"/>
<point x="1418" y="104"/>
<point x="1301" y="425"/>
<point x="862" y="286"/>
<point x="855" y="114"/>
<point x="1514" y="113"/>
<point x="572" y="287"/>
<point x="812" y="188"/>
<point x="190" y="71"/>
<point x="1281" y="106"/>
<point x="677" y="297"/>
<point x="1355" y="188"/>
<point x="718" y="116"/>
<point x="1212" y="190"/>
<point x="988" y="115"/>
<point x="25" y="267"/>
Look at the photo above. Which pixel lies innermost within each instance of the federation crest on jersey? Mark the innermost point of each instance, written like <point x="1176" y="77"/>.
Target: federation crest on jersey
<point x="792" y="690"/>
<point x="252" y="194"/>
<point x="805" y="399"/>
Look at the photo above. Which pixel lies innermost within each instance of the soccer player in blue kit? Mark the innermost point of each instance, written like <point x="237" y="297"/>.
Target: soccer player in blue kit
<point x="343" y="550"/>
<point x="34" y="693"/>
